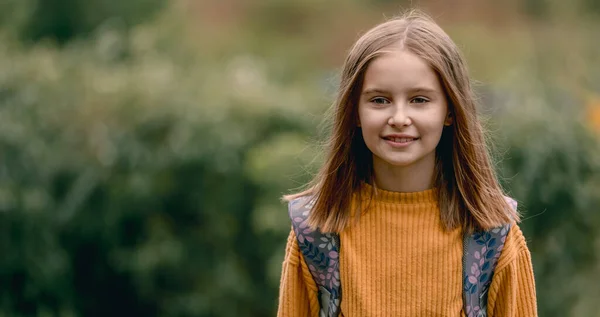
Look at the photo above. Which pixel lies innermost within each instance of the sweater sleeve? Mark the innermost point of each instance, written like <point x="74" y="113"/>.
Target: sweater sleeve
<point x="297" y="290"/>
<point x="512" y="292"/>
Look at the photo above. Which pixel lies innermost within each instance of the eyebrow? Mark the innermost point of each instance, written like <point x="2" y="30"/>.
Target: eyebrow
<point x="374" y="91"/>
<point x="412" y="90"/>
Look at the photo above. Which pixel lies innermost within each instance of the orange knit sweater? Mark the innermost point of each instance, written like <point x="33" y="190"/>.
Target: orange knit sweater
<point x="398" y="261"/>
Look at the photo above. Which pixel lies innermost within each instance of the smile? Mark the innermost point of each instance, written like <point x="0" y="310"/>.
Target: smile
<point x="399" y="142"/>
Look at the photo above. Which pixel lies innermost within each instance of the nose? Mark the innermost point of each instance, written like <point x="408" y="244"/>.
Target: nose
<point x="400" y="116"/>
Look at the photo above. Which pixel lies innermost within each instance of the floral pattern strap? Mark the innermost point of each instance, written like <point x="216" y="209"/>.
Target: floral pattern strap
<point x="481" y="252"/>
<point x="321" y="254"/>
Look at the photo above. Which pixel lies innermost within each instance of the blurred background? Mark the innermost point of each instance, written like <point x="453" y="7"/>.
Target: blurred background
<point x="145" y="144"/>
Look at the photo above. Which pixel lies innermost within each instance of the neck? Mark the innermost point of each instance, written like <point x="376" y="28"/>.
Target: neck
<point x="413" y="178"/>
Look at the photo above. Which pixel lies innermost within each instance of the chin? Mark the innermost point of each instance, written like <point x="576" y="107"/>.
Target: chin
<point x="398" y="162"/>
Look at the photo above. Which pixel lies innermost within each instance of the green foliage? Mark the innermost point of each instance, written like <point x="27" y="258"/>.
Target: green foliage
<point x="63" y="20"/>
<point x="552" y="167"/>
<point x="141" y="168"/>
<point x="132" y="186"/>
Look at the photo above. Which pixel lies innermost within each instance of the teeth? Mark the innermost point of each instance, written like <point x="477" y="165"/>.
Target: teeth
<point x="402" y="140"/>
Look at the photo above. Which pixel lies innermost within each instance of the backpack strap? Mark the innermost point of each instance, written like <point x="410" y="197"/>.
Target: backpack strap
<point x="321" y="254"/>
<point x="481" y="251"/>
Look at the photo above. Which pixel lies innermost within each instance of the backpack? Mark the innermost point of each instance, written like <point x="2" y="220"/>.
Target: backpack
<point x="320" y="251"/>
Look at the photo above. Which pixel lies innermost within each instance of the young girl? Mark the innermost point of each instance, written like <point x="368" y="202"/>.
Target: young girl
<point x="407" y="185"/>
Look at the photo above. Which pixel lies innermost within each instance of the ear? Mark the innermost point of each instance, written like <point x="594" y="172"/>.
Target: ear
<point x="449" y="120"/>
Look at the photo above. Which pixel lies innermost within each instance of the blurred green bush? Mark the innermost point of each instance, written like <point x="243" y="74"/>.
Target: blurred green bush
<point x="64" y="20"/>
<point x="141" y="165"/>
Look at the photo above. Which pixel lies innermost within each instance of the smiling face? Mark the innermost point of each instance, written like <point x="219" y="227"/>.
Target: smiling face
<point x="402" y="112"/>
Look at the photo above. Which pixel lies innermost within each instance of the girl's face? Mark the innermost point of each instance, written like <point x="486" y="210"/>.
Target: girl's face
<point x="402" y="111"/>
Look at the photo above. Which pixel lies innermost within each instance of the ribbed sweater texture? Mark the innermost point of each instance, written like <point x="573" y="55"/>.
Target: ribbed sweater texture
<point x="397" y="260"/>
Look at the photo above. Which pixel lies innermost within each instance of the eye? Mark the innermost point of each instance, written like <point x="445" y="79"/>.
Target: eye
<point x="380" y="101"/>
<point x="420" y="100"/>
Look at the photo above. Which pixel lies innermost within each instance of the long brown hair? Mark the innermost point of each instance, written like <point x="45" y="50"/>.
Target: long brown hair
<point x="469" y="193"/>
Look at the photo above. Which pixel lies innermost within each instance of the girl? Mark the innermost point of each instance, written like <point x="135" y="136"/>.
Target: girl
<point x="407" y="177"/>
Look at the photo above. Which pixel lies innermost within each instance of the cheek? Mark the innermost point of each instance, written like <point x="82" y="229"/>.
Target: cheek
<point x="434" y="122"/>
<point x="371" y="128"/>
<point x="364" y="120"/>
<point x="434" y="133"/>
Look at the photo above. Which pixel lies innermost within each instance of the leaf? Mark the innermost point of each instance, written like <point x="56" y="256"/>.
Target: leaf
<point x="473" y="268"/>
<point x="483" y="277"/>
<point x="485" y="266"/>
<point x="473" y="289"/>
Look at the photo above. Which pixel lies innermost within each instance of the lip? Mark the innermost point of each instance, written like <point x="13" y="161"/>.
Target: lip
<point x="399" y="135"/>
<point x="389" y="140"/>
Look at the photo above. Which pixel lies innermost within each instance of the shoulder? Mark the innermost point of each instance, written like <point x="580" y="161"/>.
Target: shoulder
<point x="300" y="200"/>
<point x="511" y="202"/>
<point x="300" y="206"/>
<point x="299" y="211"/>
<point x="514" y="247"/>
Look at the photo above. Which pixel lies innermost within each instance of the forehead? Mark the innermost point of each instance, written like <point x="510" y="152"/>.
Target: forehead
<point x="400" y="70"/>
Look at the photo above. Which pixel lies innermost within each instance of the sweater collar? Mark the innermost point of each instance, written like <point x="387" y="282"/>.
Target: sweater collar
<point x="410" y="198"/>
